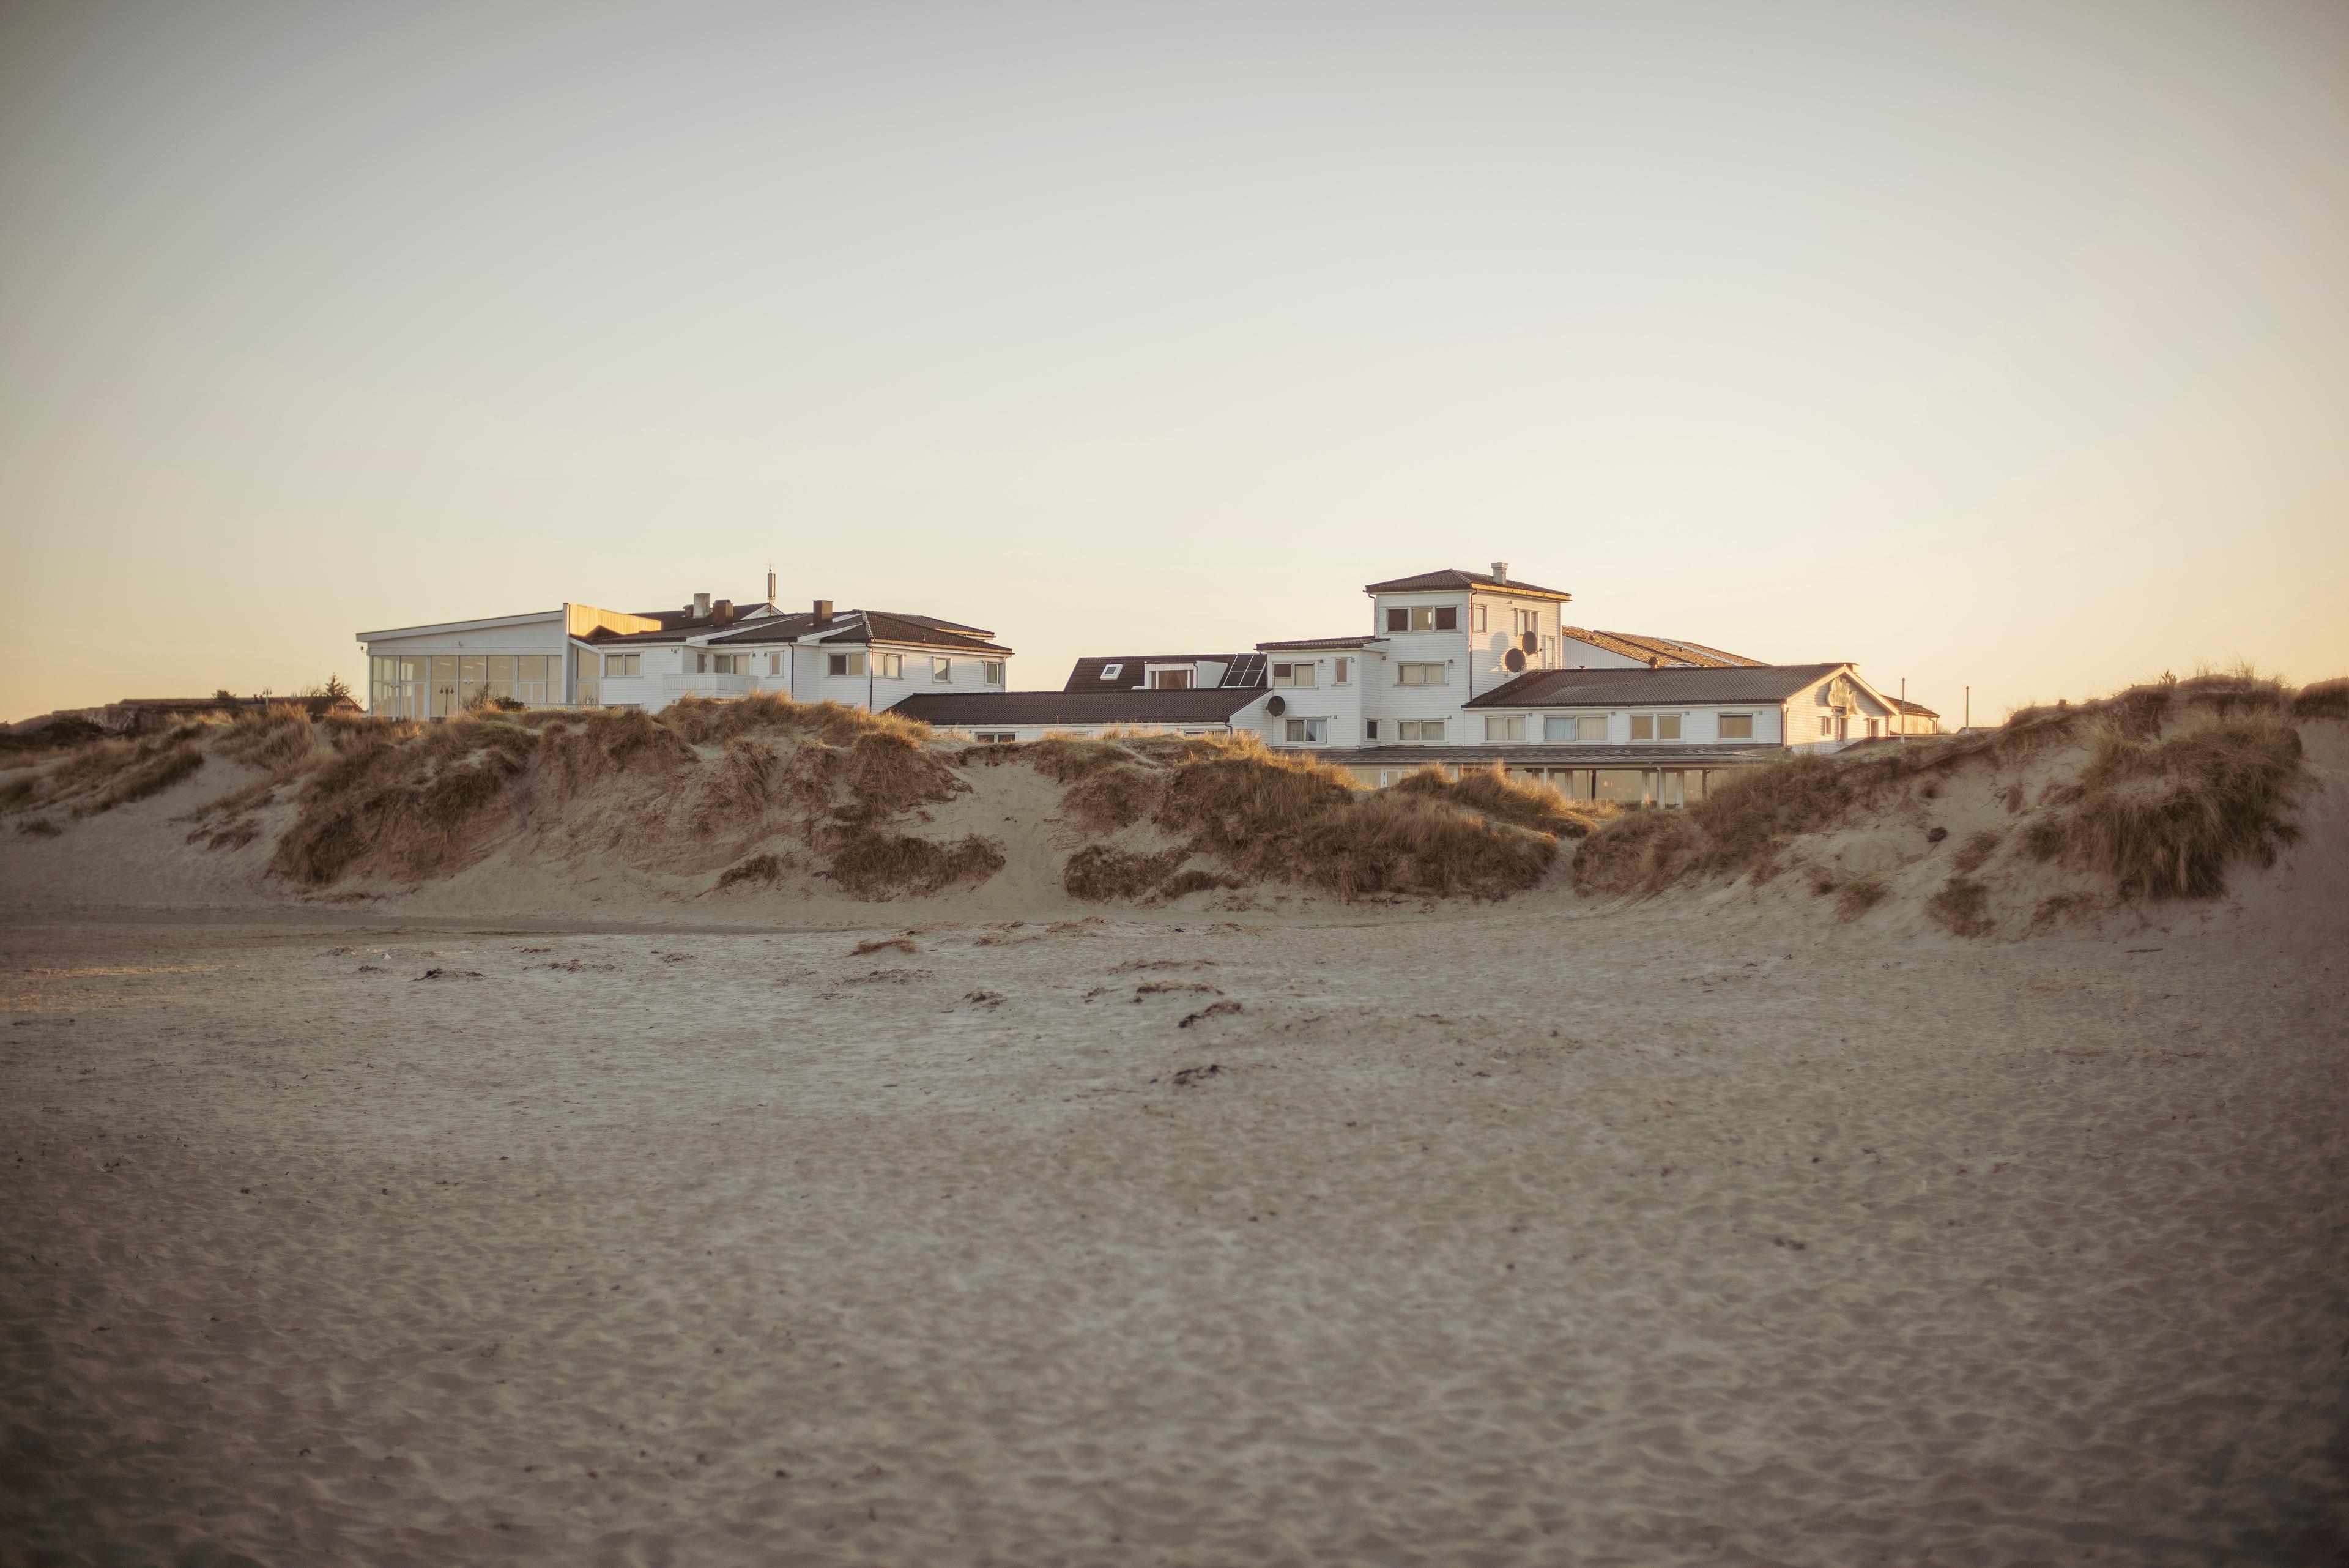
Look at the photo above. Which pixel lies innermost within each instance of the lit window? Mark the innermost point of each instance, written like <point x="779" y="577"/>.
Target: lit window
<point x="1419" y="675"/>
<point x="1295" y="674"/>
<point x="1737" y="726"/>
<point x="1501" y="727"/>
<point x="942" y="670"/>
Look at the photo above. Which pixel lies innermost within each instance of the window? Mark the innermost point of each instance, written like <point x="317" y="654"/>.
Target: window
<point x="942" y="670"/>
<point x="991" y="671"/>
<point x="1826" y="726"/>
<point x="1110" y="671"/>
<point x="1500" y="727"/>
<point x="1308" y="731"/>
<point x="1419" y="675"/>
<point x="1549" y="652"/>
<point x="889" y="666"/>
<point x="1655" y="726"/>
<point x="1577" y="727"/>
<point x="774" y="664"/>
<point x="845" y="664"/>
<point x="1419" y="730"/>
<point x="624" y="664"/>
<point x="994" y="737"/>
<point x="1737" y="726"/>
<point x="718" y="664"/>
<point x="1871" y="728"/>
<point x="1345" y="669"/>
<point x="1295" y="674"/>
<point x="1170" y="680"/>
<point x="1370" y="729"/>
<point x="1480" y="618"/>
<point x="1424" y="617"/>
<point x="1522" y="621"/>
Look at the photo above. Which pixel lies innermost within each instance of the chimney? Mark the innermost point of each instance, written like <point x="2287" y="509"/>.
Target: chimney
<point x="723" y="612"/>
<point x="1500" y="571"/>
<point x="701" y="606"/>
<point x="771" y="585"/>
<point x="823" y="612"/>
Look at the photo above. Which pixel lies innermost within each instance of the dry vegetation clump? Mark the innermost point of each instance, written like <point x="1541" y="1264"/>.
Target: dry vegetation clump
<point x="38" y="828"/>
<point x="1096" y="873"/>
<point x="1111" y="798"/>
<point x="1491" y="792"/>
<point x="761" y="868"/>
<point x="872" y="864"/>
<point x="2325" y="699"/>
<point x="2164" y="817"/>
<point x="1063" y="759"/>
<point x="97" y="777"/>
<point x="1858" y="895"/>
<point x="1976" y="851"/>
<point x="400" y="800"/>
<point x="1964" y="906"/>
<point x="1738" y="826"/>
<point x="279" y="741"/>
<point x="702" y="720"/>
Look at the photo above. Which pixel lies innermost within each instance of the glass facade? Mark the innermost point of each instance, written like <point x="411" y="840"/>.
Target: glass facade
<point x="433" y="686"/>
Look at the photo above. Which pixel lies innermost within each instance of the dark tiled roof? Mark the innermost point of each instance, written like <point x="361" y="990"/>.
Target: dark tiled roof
<point x="1086" y="676"/>
<point x="1637" y="688"/>
<point x="1633" y="644"/>
<point x="984" y="710"/>
<point x="674" y="618"/>
<point x="1311" y="643"/>
<point x="866" y="626"/>
<point x="1432" y="582"/>
<point x="1563" y="754"/>
<point x="1919" y="709"/>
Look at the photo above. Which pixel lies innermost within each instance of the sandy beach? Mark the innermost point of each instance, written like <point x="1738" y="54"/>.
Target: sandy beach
<point x="1521" y="1233"/>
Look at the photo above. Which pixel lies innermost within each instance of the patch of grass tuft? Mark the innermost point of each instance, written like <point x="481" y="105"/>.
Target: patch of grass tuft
<point x="1964" y="906"/>
<point x="1858" y="895"/>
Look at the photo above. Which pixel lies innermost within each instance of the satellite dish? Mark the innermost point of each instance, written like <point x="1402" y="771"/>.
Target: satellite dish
<point x="1515" y="660"/>
<point x="1276" y="706"/>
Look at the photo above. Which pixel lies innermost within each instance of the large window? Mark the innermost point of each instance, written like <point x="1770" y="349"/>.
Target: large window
<point x="1522" y="621"/>
<point x="889" y="666"/>
<point x="1419" y="730"/>
<point x="1308" y="731"/>
<point x="845" y="664"/>
<point x="624" y="664"/>
<point x="1173" y="679"/>
<point x="1655" y="726"/>
<point x="1295" y="674"/>
<point x="1737" y="726"/>
<point x="1424" y="617"/>
<point x="1505" y="727"/>
<point x="1575" y="727"/>
<point x="718" y="664"/>
<point x="1419" y="675"/>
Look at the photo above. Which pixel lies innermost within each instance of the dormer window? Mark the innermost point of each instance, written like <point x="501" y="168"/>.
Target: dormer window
<point x="1111" y="671"/>
<point x="1176" y="679"/>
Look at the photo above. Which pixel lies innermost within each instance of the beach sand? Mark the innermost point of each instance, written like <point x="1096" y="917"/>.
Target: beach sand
<point x="1529" y="1233"/>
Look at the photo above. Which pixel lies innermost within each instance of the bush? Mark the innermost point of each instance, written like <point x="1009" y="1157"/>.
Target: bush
<point x="1856" y="896"/>
<point x="1096" y="873"/>
<point x="1964" y="906"/>
<point x="1111" y="798"/>
<point x="875" y="864"/>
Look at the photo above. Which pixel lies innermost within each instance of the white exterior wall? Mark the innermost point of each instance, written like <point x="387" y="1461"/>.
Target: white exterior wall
<point x="669" y="672"/>
<point x="1806" y="708"/>
<point x="541" y="636"/>
<point x="1339" y="707"/>
<point x="1699" y="726"/>
<point x="1493" y="642"/>
<point x="1391" y="703"/>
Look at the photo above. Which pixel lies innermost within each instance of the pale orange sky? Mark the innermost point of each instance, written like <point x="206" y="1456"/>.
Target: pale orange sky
<point x="1993" y="344"/>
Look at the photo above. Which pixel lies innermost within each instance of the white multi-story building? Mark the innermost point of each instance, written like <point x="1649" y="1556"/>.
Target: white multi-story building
<point x="1458" y="669"/>
<point x="581" y="656"/>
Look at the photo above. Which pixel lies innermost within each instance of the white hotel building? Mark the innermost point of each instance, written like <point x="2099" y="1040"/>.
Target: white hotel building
<point x="1458" y="669"/>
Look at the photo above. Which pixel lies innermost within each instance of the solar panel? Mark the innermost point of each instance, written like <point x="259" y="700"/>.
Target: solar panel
<point x="1247" y="669"/>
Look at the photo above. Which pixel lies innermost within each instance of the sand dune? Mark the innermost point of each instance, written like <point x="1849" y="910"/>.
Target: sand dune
<point x="1709" y="1228"/>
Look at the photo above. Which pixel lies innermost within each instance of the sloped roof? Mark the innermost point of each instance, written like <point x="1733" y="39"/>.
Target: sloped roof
<point x="1086" y="675"/>
<point x="981" y="710"/>
<point x="1434" y="582"/>
<point x="1672" y="651"/>
<point x="866" y="626"/>
<point x="674" y="619"/>
<point x="1919" y="709"/>
<point x="1304" y="643"/>
<point x="1638" y="688"/>
<point x="1557" y="754"/>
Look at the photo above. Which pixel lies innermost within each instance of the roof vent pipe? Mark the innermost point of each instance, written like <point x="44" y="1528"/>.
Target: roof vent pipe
<point x="1500" y="571"/>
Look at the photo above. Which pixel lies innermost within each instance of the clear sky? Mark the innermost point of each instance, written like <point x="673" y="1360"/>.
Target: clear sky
<point x="1982" y="343"/>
